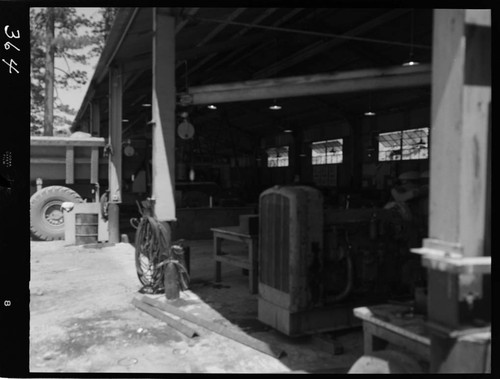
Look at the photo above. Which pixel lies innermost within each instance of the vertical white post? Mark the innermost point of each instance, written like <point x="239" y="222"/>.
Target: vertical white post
<point x="163" y="102"/>
<point x="115" y="157"/>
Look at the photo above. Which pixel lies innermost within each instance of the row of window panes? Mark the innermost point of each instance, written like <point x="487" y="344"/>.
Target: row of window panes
<point x="404" y="145"/>
<point x="393" y="146"/>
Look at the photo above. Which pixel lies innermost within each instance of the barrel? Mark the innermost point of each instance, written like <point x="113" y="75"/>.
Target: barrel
<point x="86" y="228"/>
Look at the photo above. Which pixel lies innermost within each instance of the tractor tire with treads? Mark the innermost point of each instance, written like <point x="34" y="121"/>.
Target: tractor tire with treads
<point x="46" y="216"/>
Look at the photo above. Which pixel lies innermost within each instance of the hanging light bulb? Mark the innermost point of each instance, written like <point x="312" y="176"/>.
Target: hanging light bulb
<point x="410" y="61"/>
<point x="211" y="106"/>
<point x="369" y="112"/>
<point x="274" y="106"/>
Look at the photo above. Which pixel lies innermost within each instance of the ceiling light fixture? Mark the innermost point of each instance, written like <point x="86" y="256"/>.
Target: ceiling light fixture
<point x="410" y="61"/>
<point x="146" y="105"/>
<point x="369" y="112"/>
<point x="274" y="106"/>
<point x="211" y="106"/>
<point x="288" y="131"/>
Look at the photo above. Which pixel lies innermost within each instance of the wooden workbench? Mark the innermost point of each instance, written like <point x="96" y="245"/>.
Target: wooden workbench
<point x="395" y="324"/>
<point x="249" y="261"/>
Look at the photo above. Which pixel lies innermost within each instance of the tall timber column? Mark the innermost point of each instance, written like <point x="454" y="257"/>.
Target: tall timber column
<point x="163" y="101"/>
<point x="456" y="252"/>
<point x="115" y="156"/>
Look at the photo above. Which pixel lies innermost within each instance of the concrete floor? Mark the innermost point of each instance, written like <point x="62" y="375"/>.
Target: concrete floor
<point x="82" y="319"/>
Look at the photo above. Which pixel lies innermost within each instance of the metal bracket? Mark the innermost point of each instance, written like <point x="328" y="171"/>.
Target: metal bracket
<point x="446" y="256"/>
<point x="185" y="99"/>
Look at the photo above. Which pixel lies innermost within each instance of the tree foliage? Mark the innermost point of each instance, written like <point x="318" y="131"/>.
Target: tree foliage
<point x="76" y="40"/>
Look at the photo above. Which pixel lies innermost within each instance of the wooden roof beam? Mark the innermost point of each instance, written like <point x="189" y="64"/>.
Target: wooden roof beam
<point x="321" y="84"/>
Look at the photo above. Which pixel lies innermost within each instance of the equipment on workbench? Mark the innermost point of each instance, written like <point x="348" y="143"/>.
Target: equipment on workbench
<point x="315" y="261"/>
<point x="160" y="264"/>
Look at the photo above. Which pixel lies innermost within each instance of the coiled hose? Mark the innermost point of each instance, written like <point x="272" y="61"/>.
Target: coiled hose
<point x="153" y="252"/>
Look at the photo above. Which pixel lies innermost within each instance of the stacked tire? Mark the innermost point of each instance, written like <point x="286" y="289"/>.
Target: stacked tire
<point x="46" y="215"/>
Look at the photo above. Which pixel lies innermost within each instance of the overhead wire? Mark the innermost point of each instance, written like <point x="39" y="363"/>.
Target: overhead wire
<point x="308" y="32"/>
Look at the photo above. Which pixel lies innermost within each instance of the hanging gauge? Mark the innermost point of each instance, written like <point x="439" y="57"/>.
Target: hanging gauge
<point x="129" y="150"/>
<point x="185" y="130"/>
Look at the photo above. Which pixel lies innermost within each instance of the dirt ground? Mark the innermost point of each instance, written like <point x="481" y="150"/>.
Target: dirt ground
<point x="82" y="319"/>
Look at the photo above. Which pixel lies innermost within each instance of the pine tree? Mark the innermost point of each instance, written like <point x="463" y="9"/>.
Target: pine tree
<point x="71" y="33"/>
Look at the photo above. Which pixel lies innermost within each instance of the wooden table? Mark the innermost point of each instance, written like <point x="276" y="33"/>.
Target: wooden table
<point x="393" y="323"/>
<point x="249" y="262"/>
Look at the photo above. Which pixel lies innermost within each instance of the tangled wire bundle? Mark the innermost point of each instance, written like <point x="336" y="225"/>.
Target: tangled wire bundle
<point x="153" y="253"/>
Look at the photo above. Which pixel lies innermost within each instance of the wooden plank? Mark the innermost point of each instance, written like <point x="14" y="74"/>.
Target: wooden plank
<point x="231" y="231"/>
<point x="163" y="113"/>
<point x="253" y="343"/>
<point x="70" y="164"/>
<point x="177" y="325"/>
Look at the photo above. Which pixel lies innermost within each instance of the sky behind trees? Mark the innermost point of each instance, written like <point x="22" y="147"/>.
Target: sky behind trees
<point x="78" y="39"/>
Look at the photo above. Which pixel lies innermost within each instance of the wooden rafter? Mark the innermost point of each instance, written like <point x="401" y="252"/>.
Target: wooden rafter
<point x="217" y="30"/>
<point x="182" y="24"/>
<point x="321" y="46"/>
<point x="237" y="53"/>
<point x="235" y="37"/>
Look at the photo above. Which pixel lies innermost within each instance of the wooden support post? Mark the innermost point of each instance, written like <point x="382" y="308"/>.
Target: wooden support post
<point x="115" y="156"/>
<point x="70" y="164"/>
<point x="163" y="101"/>
<point x="95" y="118"/>
<point x="94" y="165"/>
<point x="461" y="101"/>
<point x="461" y="96"/>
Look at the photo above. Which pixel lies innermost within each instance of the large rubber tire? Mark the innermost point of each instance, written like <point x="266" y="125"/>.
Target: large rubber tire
<point x="46" y="216"/>
<point x="386" y="362"/>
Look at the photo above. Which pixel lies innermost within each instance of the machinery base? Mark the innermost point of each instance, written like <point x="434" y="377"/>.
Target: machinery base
<point x="318" y="320"/>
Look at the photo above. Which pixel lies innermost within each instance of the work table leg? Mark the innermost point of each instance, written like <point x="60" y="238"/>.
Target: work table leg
<point x="253" y="275"/>
<point x="217" y="251"/>
<point x="371" y="341"/>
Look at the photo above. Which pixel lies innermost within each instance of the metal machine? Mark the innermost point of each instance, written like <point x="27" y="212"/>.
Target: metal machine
<point x="316" y="263"/>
